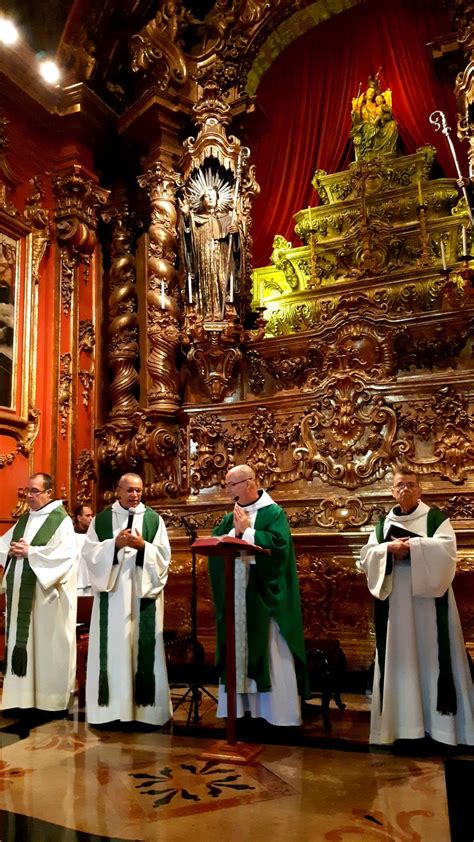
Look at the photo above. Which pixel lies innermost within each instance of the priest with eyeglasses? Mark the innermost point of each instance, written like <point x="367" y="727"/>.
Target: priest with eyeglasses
<point x="38" y="563"/>
<point x="271" y="672"/>
<point x="422" y="682"/>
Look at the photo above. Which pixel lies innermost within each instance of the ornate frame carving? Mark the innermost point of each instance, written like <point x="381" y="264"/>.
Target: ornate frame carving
<point x="16" y="414"/>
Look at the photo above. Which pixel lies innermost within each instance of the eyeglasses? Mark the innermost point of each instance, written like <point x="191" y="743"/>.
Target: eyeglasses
<point x="400" y="485"/>
<point x="35" y="491"/>
<point x="230" y="484"/>
<point x="131" y="490"/>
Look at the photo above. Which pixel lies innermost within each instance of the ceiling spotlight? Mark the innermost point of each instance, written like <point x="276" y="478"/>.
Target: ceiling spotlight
<point x="8" y="32"/>
<point x="49" y="71"/>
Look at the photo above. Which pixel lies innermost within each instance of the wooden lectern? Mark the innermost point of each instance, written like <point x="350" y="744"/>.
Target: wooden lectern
<point x="228" y="548"/>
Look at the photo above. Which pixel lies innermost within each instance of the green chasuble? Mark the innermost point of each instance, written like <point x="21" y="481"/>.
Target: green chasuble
<point x="272" y="593"/>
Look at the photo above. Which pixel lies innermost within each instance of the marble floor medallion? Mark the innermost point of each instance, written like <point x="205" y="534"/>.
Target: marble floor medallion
<point x="193" y="786"/>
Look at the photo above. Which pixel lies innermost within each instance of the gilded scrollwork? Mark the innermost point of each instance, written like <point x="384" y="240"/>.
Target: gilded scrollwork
<point x="214" y="352"/>
<point x="68" y="268"/>
<point x="459" y="507"/>
<point x="255" y="364"/>
<point x="439" y="349"/>
<point x="114" y="448"/>
<point x="348" y="433"/>
<point x="279" y="260"/>
<point x="86" y="476"/>
<point x="65" y="392"/>
<point x="446" y="424"/>
<point x="86" y="336"/>
<point x="156" y="443"/>
<point x="210" y="451"/>
<point x="25" y="438"/>
<point x="158" y="47"/>
<point x="38" y="220"/>
<point x="78" y="200"/>
<point x="87" y="378"/>
<point x="337" y="513"/>
<point x="267" y="445"/>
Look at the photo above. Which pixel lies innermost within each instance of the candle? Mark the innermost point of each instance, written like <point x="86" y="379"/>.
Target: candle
<point x="464" y="241"/>
<point x="231" y="288"/>
<point x="190" y="289"/>
<point x="162" y="295"/>
<point x="261" y="295"/>
<point x="443" y="254"/>
<point x="420" y="193"/>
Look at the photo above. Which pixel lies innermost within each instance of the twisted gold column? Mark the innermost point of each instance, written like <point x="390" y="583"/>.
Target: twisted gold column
<point x="123" y="323"/>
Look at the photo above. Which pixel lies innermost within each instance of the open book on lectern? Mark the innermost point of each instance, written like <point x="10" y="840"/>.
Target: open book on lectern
<point x="215" y="541"/>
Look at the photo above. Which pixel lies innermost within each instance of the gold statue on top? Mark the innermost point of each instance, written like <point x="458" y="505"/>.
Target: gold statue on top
<point x="374" y="131"/>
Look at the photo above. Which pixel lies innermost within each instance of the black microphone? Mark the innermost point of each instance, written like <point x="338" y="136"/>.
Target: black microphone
<point x="131" y="513"/>
<point x="236" y="498"/>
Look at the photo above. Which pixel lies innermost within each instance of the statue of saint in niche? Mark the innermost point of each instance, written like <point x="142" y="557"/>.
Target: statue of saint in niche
<point x="374" y="131"/>
<point x="211" y="240"/>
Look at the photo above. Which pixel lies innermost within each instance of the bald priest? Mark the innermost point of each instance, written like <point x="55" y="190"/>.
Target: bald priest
<point x="271" y="671"/>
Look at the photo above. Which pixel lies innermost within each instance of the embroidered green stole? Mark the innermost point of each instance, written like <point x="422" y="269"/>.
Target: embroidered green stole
<point x="144" y="676"/>
<point x="19" y="662"/>
<point x="446" y="698"/>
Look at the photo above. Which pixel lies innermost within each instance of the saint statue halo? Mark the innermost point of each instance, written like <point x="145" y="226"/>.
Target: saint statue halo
<point x="205" y="180"/>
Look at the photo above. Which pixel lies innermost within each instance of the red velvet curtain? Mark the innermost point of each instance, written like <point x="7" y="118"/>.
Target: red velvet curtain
<point x="302" y="121"/>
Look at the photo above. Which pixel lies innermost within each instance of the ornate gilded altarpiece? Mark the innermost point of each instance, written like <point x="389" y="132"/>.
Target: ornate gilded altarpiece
<point x="347" y="354"/>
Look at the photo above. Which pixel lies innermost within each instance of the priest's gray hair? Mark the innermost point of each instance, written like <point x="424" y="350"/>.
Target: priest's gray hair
<point x="130" y="474"/>
<point x="405" y="469"/>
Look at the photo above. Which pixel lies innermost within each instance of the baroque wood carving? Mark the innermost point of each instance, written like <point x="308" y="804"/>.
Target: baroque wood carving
<point x="163" y="288"/>
<point x="446" y="423"/>
<point x="123" y="323"/>
<point x="86" y="477"/>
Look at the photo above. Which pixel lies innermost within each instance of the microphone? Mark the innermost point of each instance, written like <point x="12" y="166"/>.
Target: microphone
<point x="131" y="513"/>
<point x="236" y="498"/>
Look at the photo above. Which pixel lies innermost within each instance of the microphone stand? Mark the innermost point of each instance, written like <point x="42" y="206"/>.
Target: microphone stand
<point x="195" y="690"/>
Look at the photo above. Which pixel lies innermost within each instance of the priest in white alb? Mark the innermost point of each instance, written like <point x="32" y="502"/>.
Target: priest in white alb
<point x="422" y="683"/>
<point x="128" y="555"/>
<point x="38" y="560"/>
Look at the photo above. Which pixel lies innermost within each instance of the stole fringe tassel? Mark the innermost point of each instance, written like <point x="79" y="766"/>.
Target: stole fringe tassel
<point x="103" y="689"/>
<point x="144" y="688"/>
<point x="19" y="661"/>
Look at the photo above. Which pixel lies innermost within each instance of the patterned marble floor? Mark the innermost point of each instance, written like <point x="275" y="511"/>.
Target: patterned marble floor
<point x="82" y="784"/>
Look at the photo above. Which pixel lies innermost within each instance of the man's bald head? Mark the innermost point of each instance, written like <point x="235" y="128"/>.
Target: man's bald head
<point x="240" y="483"/>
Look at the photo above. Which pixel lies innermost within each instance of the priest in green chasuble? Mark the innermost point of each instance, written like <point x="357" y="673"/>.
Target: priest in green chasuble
<point x="271" y="673"/>
<point x="38" y="557"/>
<point x="422" y="681"/>
<point x="127" y="553"/>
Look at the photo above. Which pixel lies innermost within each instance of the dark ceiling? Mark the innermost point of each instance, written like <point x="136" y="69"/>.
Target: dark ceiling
<point x="40" y="23"/>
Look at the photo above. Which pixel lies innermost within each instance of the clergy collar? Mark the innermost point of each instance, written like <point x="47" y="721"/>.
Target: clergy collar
<point x="398" y="511"/>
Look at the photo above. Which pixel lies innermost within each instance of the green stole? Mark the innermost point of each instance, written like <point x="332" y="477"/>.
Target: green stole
<point x="270" y="594"/>
<point x="145" y="676"/>
<point x="446" y="700"/>
<point x="19" y="664"/>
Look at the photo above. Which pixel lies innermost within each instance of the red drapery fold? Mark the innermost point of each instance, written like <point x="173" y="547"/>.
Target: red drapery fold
<point x="304" y="100"/>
